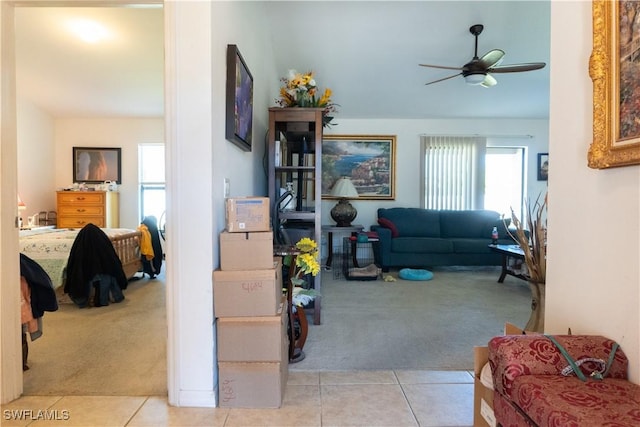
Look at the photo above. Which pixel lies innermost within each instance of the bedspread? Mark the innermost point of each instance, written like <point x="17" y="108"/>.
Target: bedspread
<point x="50" y="248"/>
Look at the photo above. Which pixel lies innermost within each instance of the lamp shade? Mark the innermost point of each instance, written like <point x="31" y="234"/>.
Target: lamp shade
<point x="344" y="188"/>
<point x="21" y="205"/>
<point x="475" y="78"/>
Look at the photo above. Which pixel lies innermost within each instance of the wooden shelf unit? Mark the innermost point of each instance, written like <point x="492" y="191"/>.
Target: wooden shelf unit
<point x="298" y="134"/>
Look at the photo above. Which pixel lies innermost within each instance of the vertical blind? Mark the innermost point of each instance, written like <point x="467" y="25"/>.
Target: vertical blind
<point x="453" y="172"/>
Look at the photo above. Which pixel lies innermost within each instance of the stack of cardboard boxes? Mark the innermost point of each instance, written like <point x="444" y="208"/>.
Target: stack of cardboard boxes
<point x="253" y="346"/>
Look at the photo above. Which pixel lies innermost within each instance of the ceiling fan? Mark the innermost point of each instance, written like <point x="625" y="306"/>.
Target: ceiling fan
<point x="478" y="71"/>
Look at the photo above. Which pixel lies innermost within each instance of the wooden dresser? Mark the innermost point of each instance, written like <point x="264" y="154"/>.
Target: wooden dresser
<point x="79" y="208"/>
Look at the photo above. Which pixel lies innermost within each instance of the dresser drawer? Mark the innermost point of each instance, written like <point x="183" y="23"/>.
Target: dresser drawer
<point x="85" y="198"/>
<point x="81" y="210"/>
<point x="79" y="222"/>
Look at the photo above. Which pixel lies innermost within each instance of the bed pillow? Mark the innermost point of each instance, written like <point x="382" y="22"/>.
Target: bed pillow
<point x="390" y="225"/>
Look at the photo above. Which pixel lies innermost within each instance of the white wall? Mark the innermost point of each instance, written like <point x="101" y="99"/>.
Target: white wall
<point x="593" y="278"/>
<point x="125" y="133"/>
<point x="199" y="159"/>
<point x="36" y="171"/>
<point x="408" y="154"/>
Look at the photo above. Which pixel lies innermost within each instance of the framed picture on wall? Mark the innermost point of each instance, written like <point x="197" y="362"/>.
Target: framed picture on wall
<point x="543" y="166"/>
<point x="368" y="160"/>
<point x="613" y="70"/>
<point x="239" y="105"/>
<point x="95" y="165"/>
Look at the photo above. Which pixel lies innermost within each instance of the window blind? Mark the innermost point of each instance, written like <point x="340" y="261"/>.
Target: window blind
<point x="453" y="172"/>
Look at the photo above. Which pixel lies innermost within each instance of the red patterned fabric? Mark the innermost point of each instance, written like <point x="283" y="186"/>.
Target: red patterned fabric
<point x="513" y="355"/>
<point x="507" y="414"/>
<point x="556" y="400"/>
<point x="530" y="389"/>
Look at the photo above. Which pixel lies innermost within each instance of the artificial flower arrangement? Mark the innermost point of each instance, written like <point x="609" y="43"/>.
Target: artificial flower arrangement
<point x="300" y="90"/>
<point x="306" y="263"/>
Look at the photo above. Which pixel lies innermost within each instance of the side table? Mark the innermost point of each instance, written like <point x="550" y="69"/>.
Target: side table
<point x="354" y="229"/>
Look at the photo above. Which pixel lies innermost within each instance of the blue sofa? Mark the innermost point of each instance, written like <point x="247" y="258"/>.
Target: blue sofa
<point x="419" y="238"/>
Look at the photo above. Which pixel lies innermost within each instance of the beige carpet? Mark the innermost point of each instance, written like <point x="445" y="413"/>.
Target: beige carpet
<point x="413" y="325"/>
<point x="119" y="349"/>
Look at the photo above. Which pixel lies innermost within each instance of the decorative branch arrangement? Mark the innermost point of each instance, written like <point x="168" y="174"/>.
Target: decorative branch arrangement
<point x="531" y="236"/>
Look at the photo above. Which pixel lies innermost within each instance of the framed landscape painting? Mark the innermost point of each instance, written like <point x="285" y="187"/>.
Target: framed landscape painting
<point x="614" y="69"/>
<point x="369" y="160"/>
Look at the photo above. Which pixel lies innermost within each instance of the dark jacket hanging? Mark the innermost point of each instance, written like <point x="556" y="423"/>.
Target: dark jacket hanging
<point x="152" y="267"/>
<point x="92" y="253"/>
<point x="43" y="296"/>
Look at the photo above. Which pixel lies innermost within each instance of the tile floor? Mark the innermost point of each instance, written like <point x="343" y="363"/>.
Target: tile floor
<point x="346" y="398"/>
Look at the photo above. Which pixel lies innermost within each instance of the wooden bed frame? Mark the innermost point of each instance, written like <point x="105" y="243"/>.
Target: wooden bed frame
<point x="52" y="253"/>
<point x="127" y="247"/>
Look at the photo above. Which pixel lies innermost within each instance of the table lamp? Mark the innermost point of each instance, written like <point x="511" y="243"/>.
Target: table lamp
<point x="343" y="212"/>
<point x="21" y="205"/>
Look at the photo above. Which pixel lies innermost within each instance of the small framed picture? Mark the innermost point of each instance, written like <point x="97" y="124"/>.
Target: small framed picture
<point x="543" y="166"/>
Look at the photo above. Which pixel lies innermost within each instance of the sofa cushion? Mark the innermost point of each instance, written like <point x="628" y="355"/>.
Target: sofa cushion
<point x="470" y="246"/>
<point x="470" y="223"/>
<point x="413" y="222"/>
<point x="556" y="400"/>
<point x="417" y="245"/>
<point x="387" y="223"/>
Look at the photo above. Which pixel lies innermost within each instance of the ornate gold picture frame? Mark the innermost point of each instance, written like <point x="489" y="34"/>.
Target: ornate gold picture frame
<point x="616" y="86"/>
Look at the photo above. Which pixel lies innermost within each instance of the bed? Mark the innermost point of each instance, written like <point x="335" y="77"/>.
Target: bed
<point x="50" y="248"/>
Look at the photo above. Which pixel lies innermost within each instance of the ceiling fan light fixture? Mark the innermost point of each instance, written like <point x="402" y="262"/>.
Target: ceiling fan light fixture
<point x="474" y="79"/>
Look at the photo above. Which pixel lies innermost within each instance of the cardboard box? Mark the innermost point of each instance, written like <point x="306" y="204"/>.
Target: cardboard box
<point x="248" y="292"/>
<point x="246" y="251"/>
<point x="246" y="214"/>
<point x="252" y="384"/>
<point x="253" y="339"/>
<point x="483" y="415"/>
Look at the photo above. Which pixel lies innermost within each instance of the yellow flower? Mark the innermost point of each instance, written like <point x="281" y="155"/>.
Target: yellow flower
<point x="300" y="90"/>
<point x="308" y="264"/>
<point x="307" y="245"/>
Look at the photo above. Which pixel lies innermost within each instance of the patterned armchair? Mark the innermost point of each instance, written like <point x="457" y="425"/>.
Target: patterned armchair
<point x="532" y="390"/>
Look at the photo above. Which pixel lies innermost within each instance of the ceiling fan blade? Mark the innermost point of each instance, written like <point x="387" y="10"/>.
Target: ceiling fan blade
<point x="443" y="79"/>
<point x="492" y="58"/>
<point x="444" y="67"/>
<point x="489" y="81"/>
<point x="516" y="68"/>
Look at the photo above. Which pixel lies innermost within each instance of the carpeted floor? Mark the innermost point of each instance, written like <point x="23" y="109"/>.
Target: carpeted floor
<point x="411" y="324"/>
<point x="115" y="350"/>
<point x="121" y="349"/>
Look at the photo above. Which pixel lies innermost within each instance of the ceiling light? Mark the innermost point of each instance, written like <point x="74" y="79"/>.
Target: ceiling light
<point x="474" y="79"/>
<point x="89" y="31"/>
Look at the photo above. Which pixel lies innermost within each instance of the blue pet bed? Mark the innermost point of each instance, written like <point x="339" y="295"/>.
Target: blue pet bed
<point x="415" y="274"/>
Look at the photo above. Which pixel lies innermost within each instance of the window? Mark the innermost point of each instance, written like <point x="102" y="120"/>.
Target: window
<point x="463" y="173"/>
<point x="152" y="181"/>
<point x="504" y="180"/>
